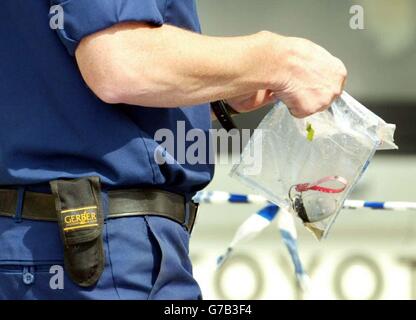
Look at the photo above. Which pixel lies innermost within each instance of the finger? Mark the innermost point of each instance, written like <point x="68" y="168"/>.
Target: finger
<point x="259" y="99"/>
<point x="265" y="97"/>
<point x="327" y="105"/>
<point x="299" y="113"/>
<point x="240" y="100"/>
<point x="344" y="83"/>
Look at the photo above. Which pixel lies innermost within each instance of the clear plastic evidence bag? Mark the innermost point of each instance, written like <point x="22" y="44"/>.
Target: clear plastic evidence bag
<point x="309" y="166"/>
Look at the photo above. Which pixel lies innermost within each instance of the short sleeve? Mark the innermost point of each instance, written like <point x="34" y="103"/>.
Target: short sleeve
<point x="84" y="17"/>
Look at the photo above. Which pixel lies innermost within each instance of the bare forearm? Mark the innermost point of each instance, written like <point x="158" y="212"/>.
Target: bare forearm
<point x="170" y="67"/>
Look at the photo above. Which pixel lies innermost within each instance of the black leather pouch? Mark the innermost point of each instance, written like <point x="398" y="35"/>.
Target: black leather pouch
<point x="80" y="218"/>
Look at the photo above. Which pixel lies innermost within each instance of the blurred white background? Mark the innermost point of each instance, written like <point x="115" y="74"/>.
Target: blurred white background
<point x="368" y="254"/>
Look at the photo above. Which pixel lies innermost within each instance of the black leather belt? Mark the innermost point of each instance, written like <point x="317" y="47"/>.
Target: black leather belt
<point x="121" y="203"/>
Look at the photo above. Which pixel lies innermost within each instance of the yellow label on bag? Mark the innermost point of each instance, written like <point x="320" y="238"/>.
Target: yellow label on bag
<point x="80" y="218"/>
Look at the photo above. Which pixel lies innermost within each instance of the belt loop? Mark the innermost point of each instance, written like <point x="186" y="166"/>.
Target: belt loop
<point x="195" y="206"/>
<point x="105" y="203"/>
<point x="19" y="204"/>
<point x="187" y="215"/>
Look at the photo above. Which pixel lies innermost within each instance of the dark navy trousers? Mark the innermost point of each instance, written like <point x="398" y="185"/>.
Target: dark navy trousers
<point x="147" y="257"/>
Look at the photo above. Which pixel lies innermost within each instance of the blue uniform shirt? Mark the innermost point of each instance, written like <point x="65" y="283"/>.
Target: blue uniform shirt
<point x="52" y="125"/>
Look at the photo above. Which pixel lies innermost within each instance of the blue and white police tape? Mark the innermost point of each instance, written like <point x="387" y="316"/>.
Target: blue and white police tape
<point x="386" y="205"/>
<point x="257" y="222"/>
<point x="251" y="227"/>
<point x="287" y="228"/>
<point x="220" y="197"/>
